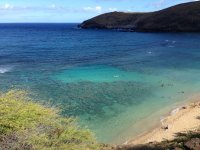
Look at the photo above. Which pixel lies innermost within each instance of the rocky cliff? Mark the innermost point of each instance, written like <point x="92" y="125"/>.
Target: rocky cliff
<point x="180" y="18"/>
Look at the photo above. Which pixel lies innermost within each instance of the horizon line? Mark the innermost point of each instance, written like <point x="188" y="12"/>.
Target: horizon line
<point x="39" y="22"/>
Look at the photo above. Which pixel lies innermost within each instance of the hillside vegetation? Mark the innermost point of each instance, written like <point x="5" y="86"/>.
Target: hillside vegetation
<point x="27" y="125"/>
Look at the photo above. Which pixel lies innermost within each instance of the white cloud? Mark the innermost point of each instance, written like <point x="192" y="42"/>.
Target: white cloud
<point x="159" y="3"/>
<point x="112" y="9"/>
<point x="98" y="8"/>
<point x="6" y="6"/>
<point x="53" y="6"/>
<point x="93" y="9"/>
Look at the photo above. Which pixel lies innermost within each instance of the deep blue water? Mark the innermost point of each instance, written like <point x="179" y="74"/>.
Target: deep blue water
<point x="110" y="80"/>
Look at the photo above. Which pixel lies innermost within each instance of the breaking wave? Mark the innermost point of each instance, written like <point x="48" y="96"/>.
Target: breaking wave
<point x="4" y="69"/>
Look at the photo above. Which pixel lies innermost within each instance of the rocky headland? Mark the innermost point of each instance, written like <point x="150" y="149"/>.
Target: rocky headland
<point x="180" y="18"/>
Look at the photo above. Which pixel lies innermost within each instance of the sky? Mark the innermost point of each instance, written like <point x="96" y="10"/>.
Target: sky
<point x="73" y="11"/>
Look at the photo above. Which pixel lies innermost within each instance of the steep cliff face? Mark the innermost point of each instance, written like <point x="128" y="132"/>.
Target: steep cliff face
<point x="180" y="18"/>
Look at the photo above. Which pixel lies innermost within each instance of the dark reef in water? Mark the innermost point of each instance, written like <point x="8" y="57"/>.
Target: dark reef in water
<point x="93" y="98"/>
<point x="180" y="18"/>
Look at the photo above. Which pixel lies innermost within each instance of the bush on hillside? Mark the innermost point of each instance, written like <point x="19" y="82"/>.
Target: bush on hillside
<point x="28" y="125"/>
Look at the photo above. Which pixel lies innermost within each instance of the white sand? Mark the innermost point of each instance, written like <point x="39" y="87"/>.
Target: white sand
<point x="181" y="120"/>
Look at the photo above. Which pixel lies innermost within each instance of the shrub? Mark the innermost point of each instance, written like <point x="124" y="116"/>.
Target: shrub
<point x="28" y="125"/>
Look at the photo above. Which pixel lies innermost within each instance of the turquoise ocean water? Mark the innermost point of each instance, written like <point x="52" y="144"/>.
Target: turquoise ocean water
<point x="118" y="84"/>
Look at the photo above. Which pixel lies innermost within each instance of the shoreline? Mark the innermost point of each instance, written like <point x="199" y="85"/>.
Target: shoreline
<point x="152" y="121"/>
<point x="181" y="119"/>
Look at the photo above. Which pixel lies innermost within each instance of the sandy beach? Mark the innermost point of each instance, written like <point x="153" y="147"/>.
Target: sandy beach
<point x="182" y="119"/>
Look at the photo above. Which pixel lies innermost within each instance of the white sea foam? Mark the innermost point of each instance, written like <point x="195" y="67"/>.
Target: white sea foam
<point x="162" y="119"/>
<point x="4" y="69"/>
<point x="116" y="76"/>
<point x="170" y="46"/>
<point x="173" y="42"/>
<point x="173" y="112"/>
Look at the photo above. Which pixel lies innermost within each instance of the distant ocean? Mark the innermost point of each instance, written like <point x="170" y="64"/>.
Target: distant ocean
<point x="118" y="84"/>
